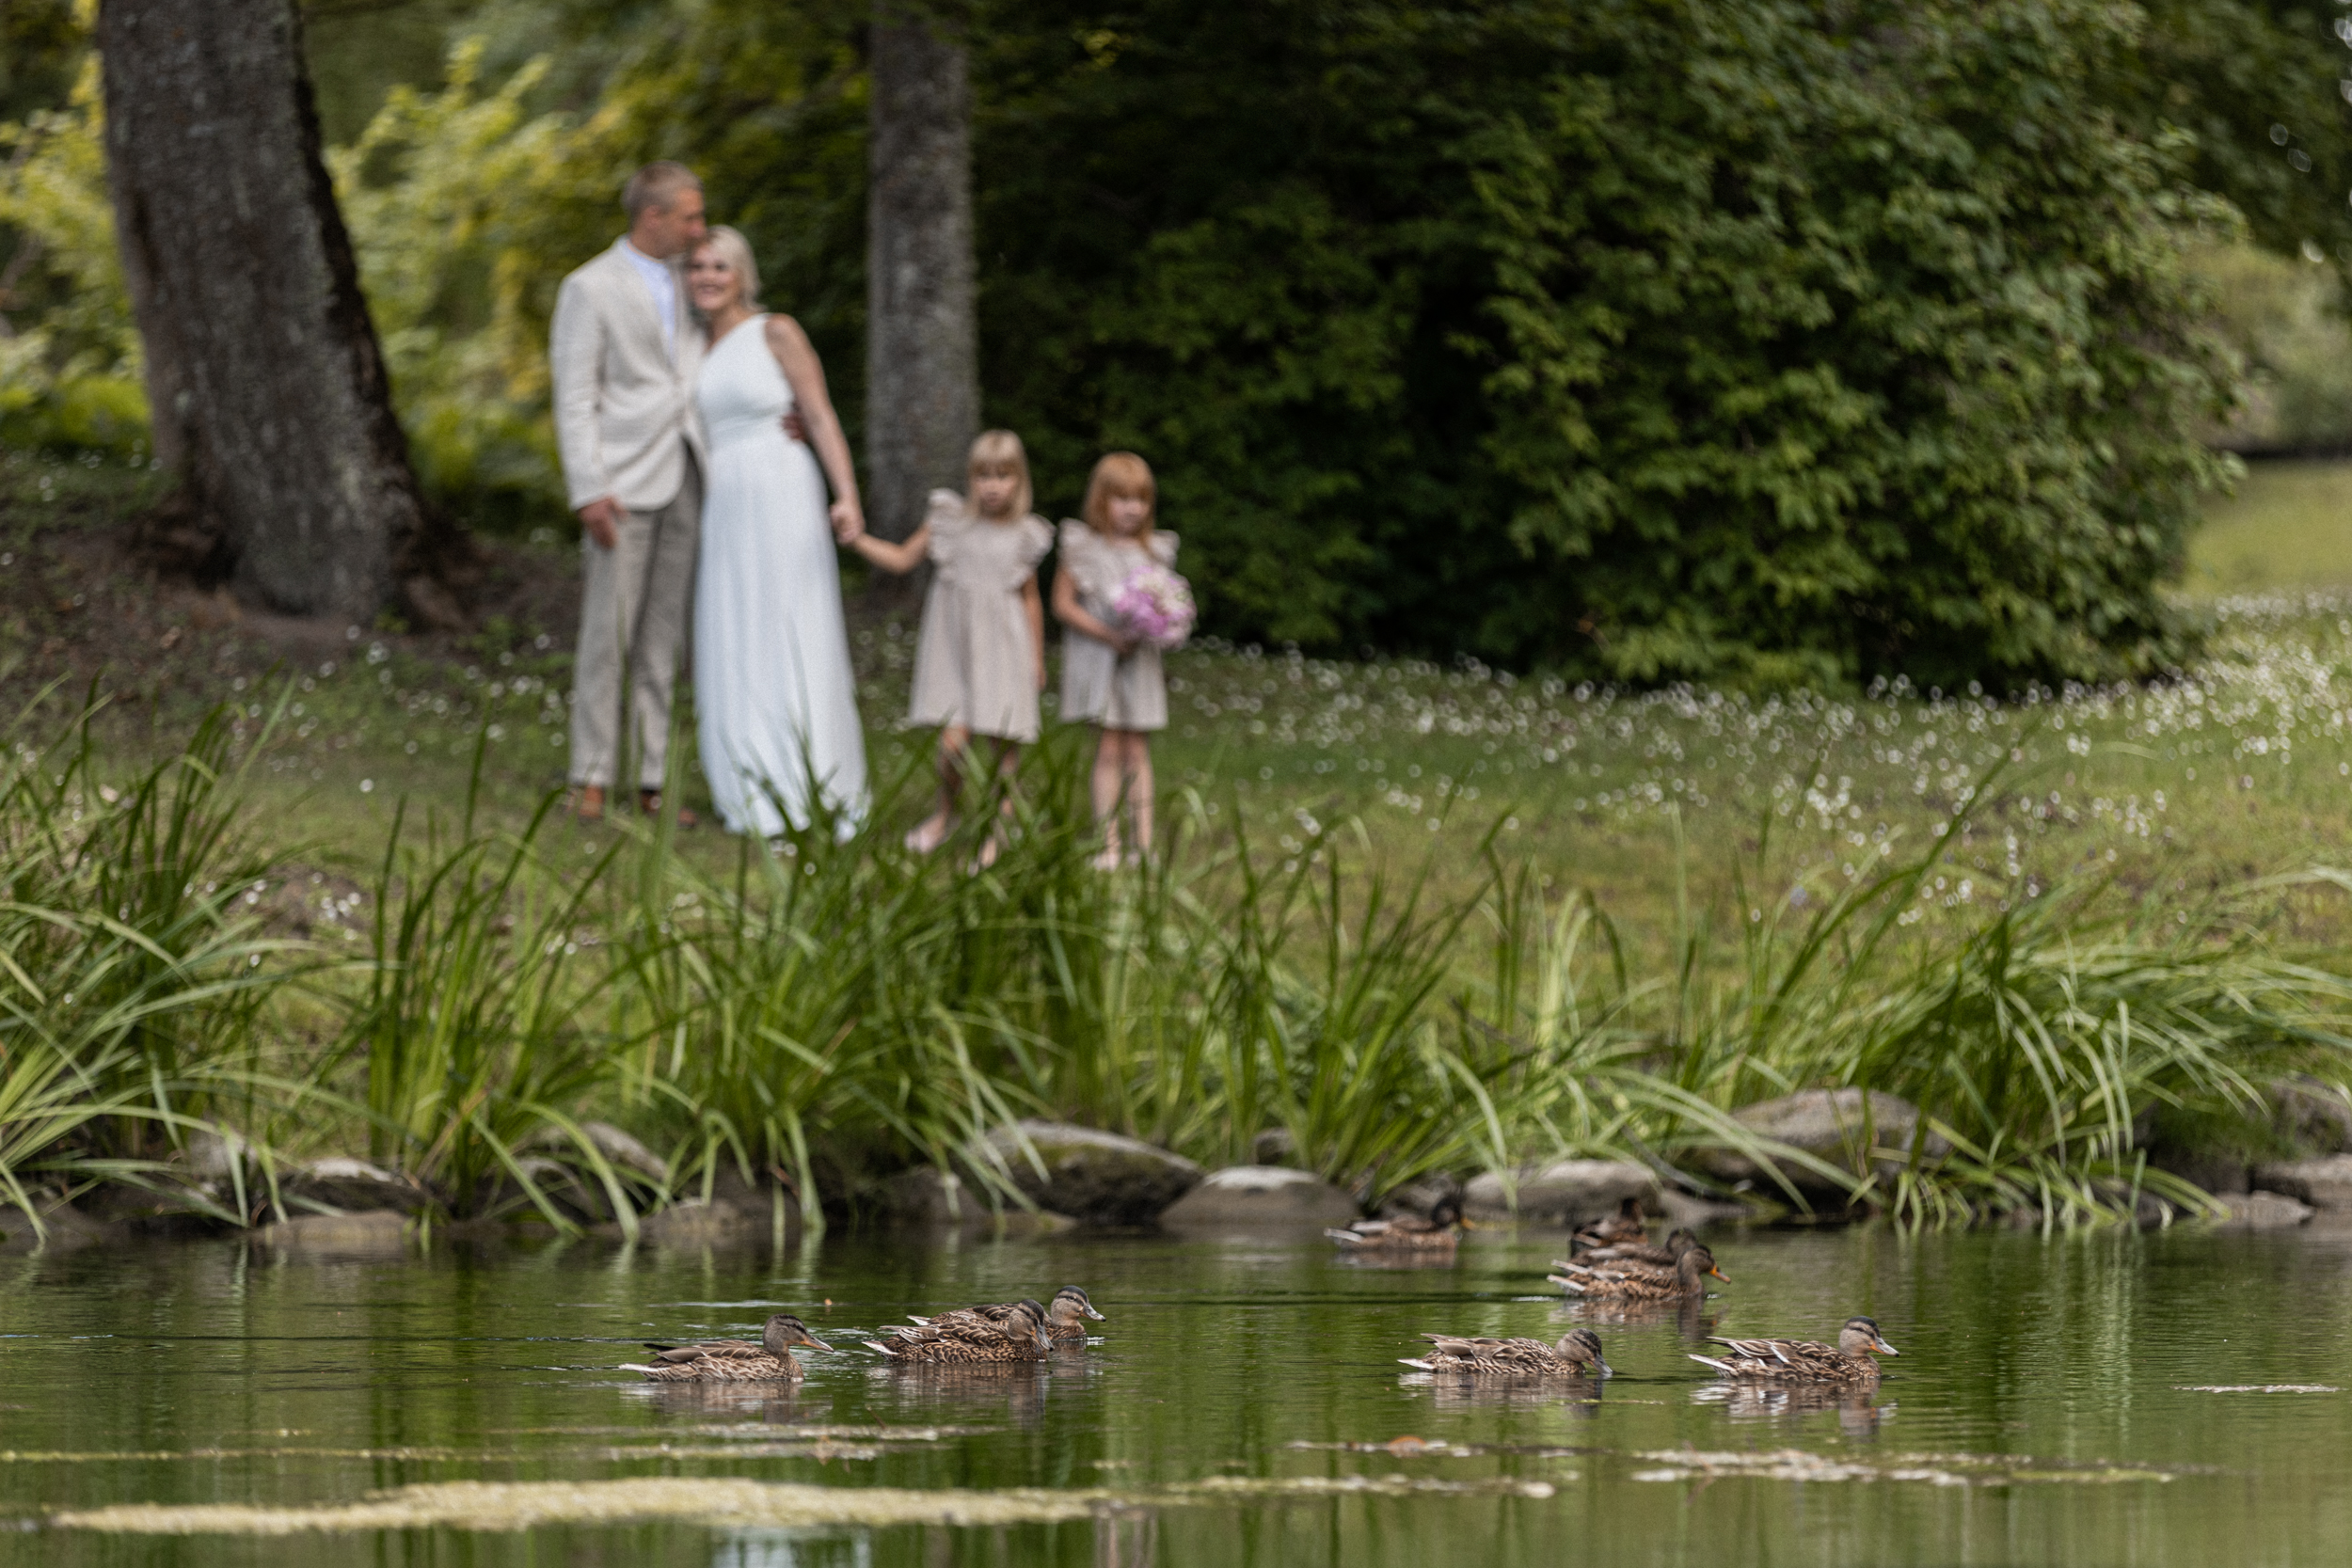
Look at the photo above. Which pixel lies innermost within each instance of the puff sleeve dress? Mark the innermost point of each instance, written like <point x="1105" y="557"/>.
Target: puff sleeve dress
<point x="1098" y="686"/>
<point x="973" y="662"/>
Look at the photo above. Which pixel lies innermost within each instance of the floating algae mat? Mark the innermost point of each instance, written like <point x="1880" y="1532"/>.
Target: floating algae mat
<point x="2169" y="1398"/>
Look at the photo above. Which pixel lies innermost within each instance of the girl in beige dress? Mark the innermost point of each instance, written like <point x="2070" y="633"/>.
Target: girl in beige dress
<point x="979" y="661"/>
<point x="1108" y="677"/>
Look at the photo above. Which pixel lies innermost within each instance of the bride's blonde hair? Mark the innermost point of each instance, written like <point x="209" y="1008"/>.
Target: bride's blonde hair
<point x="735" y="251"/>
<point x="998" y="451"/>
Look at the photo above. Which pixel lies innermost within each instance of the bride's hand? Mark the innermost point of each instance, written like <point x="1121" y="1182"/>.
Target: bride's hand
<point x="849" y="524"/>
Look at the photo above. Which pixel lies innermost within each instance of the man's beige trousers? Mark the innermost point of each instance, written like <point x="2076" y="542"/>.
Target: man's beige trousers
<point x="635" y="602"/>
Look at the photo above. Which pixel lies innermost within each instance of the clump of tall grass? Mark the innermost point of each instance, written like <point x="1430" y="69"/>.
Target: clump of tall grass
<point x="2035" y="1039"/>
<point x="474" y="1036"/>
<point x="129" y="981"/>
<point x="826" y="1009"/>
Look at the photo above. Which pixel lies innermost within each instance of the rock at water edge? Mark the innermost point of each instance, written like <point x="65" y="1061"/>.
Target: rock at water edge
<point x="1835" y="1126"/>
<point x="1094" y="1178"/>
<point x="1567" y="1193"/>
<point x="2323" y="1183"/>
<point x="1257" y="1197"/>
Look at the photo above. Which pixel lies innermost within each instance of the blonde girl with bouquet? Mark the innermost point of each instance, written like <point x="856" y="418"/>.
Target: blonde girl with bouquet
<point x="979" y="659"/>
<point x="1116" y="591"/>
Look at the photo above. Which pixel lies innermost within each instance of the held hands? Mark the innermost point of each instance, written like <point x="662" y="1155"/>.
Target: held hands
<point x="601" y="519"/>
<point x="794" y="430"/>
<point x="848" y="522"/>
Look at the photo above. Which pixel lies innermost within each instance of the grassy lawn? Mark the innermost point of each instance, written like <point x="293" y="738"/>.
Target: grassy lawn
<point x="2288" y="526"/>
<point x="1669" y="806"/>
<point x="1622" y="935"/>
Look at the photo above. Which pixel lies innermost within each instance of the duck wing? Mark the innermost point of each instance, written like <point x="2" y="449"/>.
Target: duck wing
<point x="681" y="1354"/>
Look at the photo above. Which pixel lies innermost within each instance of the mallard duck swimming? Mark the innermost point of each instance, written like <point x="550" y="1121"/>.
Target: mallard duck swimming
<point x="734" y="1360"/>
<point x="1626" y="1225"/>
<point x="1440" y="1232"/>
<point x="1642" y="1281"/>
<point x="1665" y="1256"/>
<point x="955" y="1341"/>
<point x="1573" y="1356"/>
<point x="1849" y="1360"/>
<point x="1066" y="1319"/>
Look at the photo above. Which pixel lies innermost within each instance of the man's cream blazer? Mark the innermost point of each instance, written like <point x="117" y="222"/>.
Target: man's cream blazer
<point x="624" y="405"/>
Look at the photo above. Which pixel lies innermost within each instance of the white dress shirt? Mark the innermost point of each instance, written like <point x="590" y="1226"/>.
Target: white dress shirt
<point x="662" y="283"/>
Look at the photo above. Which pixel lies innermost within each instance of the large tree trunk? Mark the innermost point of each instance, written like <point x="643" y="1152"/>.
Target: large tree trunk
<point x="268" y="391"/>
<point x="922" y="353"/>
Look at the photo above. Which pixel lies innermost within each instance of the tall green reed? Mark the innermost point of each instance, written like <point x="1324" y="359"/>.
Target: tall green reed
<point x="474" y="1036"/>
<point x="130" y="980"/>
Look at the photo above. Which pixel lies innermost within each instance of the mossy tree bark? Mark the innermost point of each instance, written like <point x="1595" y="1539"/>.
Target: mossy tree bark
<point x="268" y="388"/>
<point x="922" y="372"/>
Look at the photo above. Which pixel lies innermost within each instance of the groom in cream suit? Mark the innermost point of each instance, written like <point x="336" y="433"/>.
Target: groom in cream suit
<point x="624" y="355"/>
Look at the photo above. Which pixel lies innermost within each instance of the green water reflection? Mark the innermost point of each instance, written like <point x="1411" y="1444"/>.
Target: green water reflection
<point x="2044" y="1409"/>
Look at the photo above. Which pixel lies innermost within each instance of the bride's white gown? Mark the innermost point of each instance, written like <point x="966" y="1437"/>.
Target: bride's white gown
<point x="772" y="688"/>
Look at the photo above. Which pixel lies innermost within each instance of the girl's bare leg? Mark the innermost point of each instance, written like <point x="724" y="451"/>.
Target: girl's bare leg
<point x="928" y="834"/>
<point x="1008" y="761"/>
<point x="1110" y="766"/>
<point x="1138" y="774"/>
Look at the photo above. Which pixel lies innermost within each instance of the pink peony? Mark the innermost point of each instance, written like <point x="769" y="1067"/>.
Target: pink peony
<point x="1156" y="604"/>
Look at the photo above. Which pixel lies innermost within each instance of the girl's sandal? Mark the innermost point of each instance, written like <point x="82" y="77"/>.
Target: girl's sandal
<point x="925" y="836"/>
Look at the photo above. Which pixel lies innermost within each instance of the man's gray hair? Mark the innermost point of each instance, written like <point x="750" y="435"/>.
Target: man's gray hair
<point x="655" y="185"/>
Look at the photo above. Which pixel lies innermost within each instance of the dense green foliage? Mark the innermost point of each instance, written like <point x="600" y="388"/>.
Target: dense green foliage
<point x="1775" y="342"/>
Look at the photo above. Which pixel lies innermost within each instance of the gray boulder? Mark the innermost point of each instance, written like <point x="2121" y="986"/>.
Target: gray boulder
<point x="1836" y="1126"/>
<point x="2312" y="1114"/>
<point x="1094" y="1178"/>
<point x="1259" y="1197"/>
<point x="694" y="1224"/>
<point x="624" y="1153"/>
<point x="376" y="1232"/>
<point x="2263" y="1211"/>
<point x="2323" y="1183"/>
<point x="939" y="1198"/>
<point x="62" y="1227"/>
<point x="354" y="1186"/>
<point x="1565" y="1193"/>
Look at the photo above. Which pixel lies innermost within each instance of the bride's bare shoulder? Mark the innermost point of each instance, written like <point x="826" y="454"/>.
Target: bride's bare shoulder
<point x="784" y="334"/>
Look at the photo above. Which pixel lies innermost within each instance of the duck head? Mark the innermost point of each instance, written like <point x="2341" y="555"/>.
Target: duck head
<point x="782" y="1332"/>
<point x="1447" y="1212"/>
<point x="1860" y="1338"/>
<point x="1070" y="1306"/>
<point x="1028" y="1321"/>
<point x="1695" y="1262"/>
<point x="1581" y="1347"/>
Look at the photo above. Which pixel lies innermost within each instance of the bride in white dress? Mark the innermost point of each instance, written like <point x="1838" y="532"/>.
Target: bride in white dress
<point x="773" y="687"/>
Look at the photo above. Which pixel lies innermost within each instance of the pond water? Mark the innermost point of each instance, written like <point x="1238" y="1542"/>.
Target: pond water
<point x="2169" y="1397"/>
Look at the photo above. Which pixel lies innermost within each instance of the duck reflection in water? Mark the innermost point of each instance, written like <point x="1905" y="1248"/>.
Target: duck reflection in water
<point x="1860" y="1406"/>
<point x="775" y="1403"/>
<point x="952" y="1394"/>
<point x="1692" y="1316"/>
<point x="1579" y="1396"/>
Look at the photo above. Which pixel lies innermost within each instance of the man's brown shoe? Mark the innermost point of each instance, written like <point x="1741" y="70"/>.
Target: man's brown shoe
<point x="649" y="801"/>
<point x="588" y="803"/>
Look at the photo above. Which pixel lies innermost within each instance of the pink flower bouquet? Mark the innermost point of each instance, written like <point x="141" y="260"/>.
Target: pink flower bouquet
<point x="1156" y="604"/>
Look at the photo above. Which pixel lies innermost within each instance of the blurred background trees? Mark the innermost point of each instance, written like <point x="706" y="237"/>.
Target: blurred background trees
<point x="1757" y="341"/>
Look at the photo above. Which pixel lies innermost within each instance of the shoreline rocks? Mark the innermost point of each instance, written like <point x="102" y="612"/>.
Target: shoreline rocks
<point x="1567" y="1193"/>
<point x="373" y="1232"/>
<point x="1838" y="1127"/>
<point x="1099" y="1178"/>
<point x="940" y="1200"/>
<point x="1260" y="1198"/>
<point x="2325" y="1184"/>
